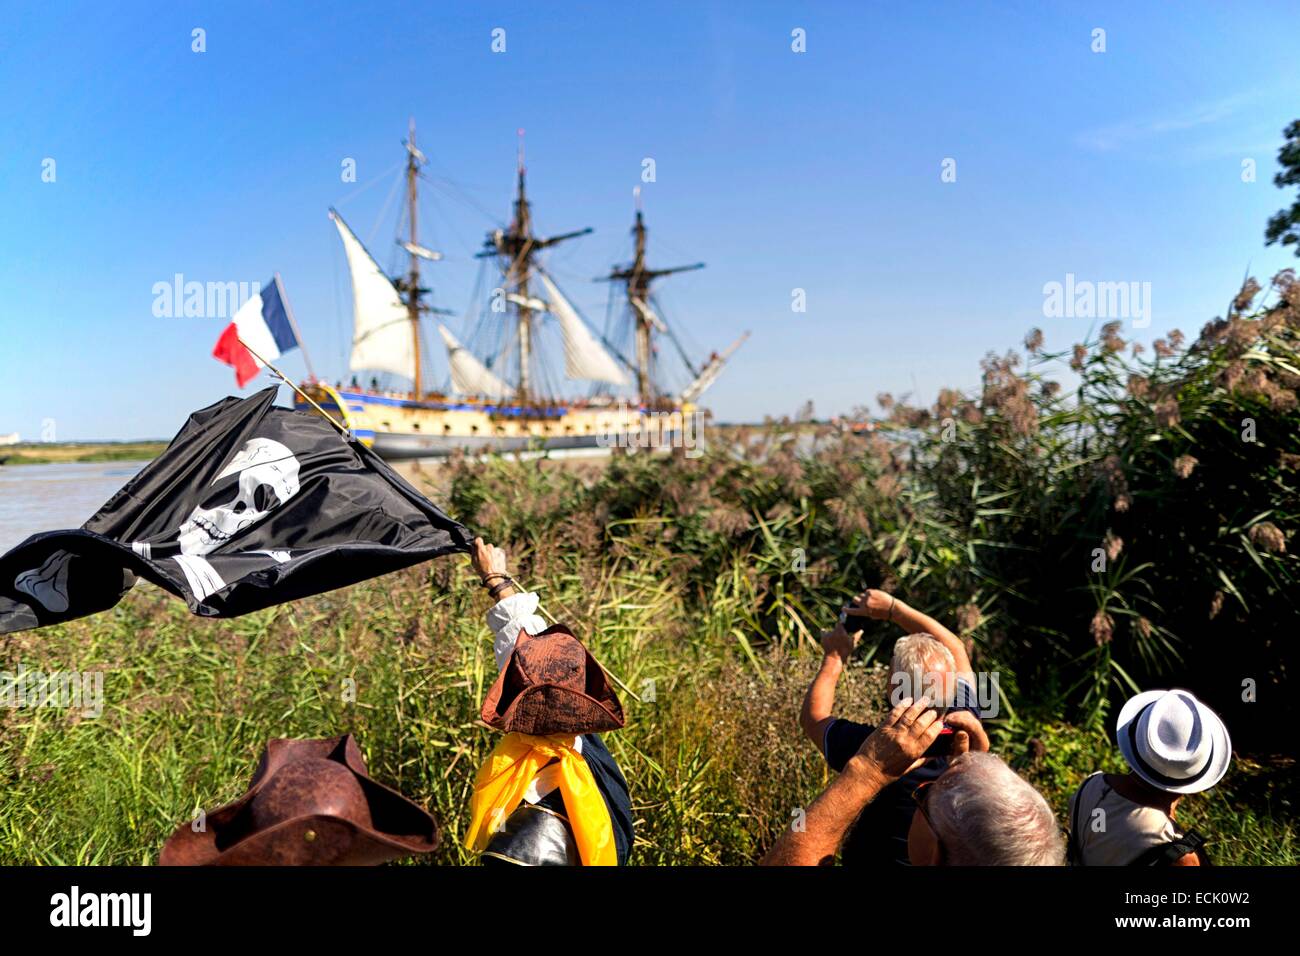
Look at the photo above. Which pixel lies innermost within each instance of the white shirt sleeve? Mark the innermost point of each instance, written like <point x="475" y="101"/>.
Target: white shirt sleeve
<point x="508" y="617"/>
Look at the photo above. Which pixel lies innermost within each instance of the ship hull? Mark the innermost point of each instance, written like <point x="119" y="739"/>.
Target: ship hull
<point x="395" y="446"/>
<point x="400" y="428"/>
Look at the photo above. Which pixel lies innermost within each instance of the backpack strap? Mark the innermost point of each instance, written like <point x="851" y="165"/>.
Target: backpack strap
<point x="1074" y="843"/>
<point x="1167" y="854"/>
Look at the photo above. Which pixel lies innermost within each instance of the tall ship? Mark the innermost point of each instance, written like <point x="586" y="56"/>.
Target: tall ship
<point x="506" y="384"/>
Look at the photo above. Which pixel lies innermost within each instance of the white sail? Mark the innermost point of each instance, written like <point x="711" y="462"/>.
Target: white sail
<point x="469" y="376"/>
<point x="381" y="339"/>
<point x="584" y="356"/>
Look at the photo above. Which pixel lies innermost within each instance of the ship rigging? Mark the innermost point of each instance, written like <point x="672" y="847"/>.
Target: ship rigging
<point x="500" y="394"/>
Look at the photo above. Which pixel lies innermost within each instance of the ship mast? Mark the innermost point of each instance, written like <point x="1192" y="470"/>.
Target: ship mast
<point x="523" y="227"/>
<point x="517" y="245"/>
<point x="413" y="160"/>
<point x="381" y="303"/>
<point x="638" y="278"/>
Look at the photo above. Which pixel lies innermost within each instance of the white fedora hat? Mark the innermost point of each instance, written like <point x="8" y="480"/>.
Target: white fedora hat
<point x="1173" y="741"/>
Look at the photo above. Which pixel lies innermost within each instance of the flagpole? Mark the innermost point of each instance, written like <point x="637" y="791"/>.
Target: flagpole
<point x="330" y="418"/>
<point x="347" y="434"/>
<point x="284" y="378"/>
<point x="288" y="311"/>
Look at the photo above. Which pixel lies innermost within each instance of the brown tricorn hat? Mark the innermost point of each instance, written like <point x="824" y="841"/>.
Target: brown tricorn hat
<point x="311" y="803"/>
<point x="552" y="685"/>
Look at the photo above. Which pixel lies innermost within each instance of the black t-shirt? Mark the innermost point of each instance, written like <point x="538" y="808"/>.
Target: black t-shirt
<point x="879" y="835"/>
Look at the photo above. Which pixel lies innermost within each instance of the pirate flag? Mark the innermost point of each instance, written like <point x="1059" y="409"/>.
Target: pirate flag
<point x="250" y="505"/>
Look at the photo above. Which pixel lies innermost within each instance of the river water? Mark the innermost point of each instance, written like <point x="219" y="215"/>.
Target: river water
<point x="51" y="497"/>
<point x="36" y="498"/>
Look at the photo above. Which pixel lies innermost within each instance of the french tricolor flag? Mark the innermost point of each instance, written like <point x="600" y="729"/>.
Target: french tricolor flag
<point x="262" y="326"/>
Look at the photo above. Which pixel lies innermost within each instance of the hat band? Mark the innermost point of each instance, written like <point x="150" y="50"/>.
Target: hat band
<point x="1156" y="774"/>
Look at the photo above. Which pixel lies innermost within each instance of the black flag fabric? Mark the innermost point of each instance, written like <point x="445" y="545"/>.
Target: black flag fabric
<point x="250" y="505"/>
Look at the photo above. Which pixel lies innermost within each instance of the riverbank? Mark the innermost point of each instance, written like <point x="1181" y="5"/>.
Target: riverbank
<point x="56" y="453"/>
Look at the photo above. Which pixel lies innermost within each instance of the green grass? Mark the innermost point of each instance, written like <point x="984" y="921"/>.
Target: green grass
<point x="701" y="585"/>
<point x="715" y="761"/>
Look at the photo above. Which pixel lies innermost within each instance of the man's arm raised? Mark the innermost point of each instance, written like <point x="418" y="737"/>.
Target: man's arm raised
<point x="819" y="701"/>
<point x="894" y="748"/>
<point x="883" y="606"/>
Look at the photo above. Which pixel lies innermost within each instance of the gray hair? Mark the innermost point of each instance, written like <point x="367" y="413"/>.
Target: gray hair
<point x="915" y="656"/>
<point x="985" y="814"/>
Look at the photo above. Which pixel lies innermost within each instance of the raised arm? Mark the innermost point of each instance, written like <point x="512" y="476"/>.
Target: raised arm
<point x="829" y="818"/>
<point x="489" y="563"/>
<point x="883" y="606"/>
<point x="515" y="609"/>
<point x="819" y="701"/>
<point x="893" y="749"/>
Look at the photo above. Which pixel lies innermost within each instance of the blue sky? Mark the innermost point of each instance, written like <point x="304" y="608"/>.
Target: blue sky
<point x="818" y="171"/>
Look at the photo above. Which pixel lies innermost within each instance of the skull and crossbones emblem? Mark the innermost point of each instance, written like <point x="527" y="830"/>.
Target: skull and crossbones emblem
<point x="268" y="477"/>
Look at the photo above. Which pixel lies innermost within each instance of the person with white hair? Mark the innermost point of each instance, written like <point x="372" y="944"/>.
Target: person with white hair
<point x="928" y="661"/>
<point x="978" y="812"/>
<point x="1174" y="745"/>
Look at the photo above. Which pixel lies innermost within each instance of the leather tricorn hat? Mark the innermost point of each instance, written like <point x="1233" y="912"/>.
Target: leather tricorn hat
<point x="311" y="803"/>
<point x="552" y="685"/>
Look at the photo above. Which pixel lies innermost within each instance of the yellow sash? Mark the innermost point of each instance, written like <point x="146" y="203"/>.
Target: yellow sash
<point x="504" y="778"/>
